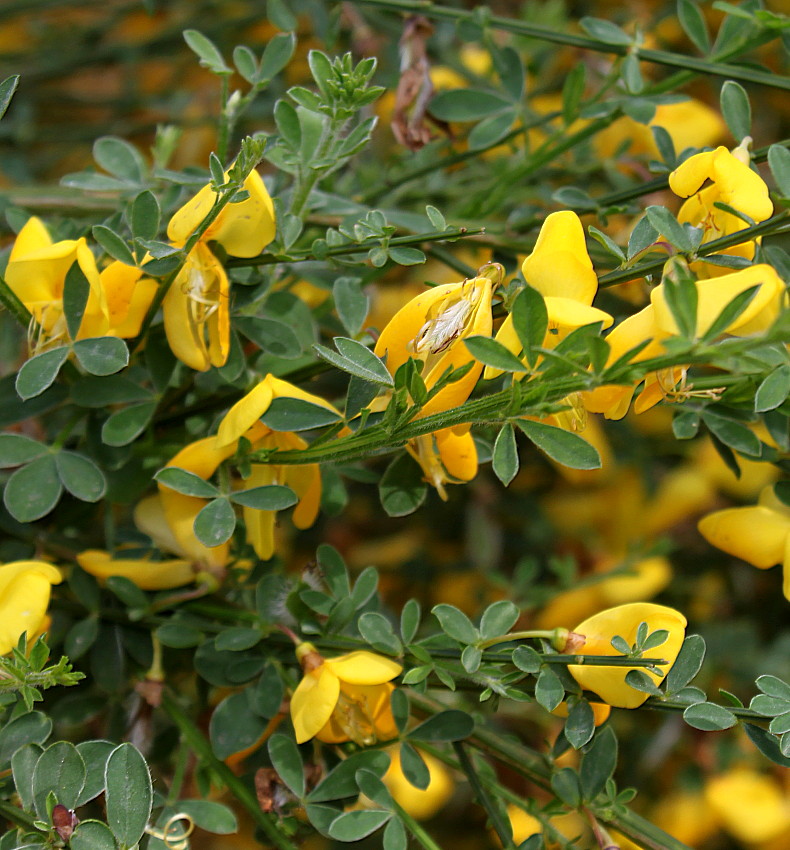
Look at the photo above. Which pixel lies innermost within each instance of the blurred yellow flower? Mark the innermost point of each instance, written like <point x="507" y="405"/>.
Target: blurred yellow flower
<point x="445" y="458"/>
<point x="758" y="534"/>
<point x="733" y="183"/>
<point x="420" y="803"/>
<point x="197" y="305"/>
<point x="624" y="620"/>
<point x="346" y="698"/>
<point x="24" y="596"/>
<point x="145" y="573"/>
<point x="753" y="807"/>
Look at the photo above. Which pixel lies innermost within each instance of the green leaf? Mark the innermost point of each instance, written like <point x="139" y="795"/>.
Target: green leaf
<point x="779" y="161"/>
<point x="31" y="728"/>
<point x="102" y="355"/>
<point x="113" y="245"/>
<point x="402" y="489"/>
<point x="80" y="476"/>
<point x="450" y="725"/>
<point x="92" y="835"/>
<point x="605" y="31"/>
<point x="40" y="372"/>
<point x="145" y="216"/>
<point x="498" y="618"/>
<point x="17" y="449"/>
<point x="687" y="664"/>
<point x="211" y="816"/>
<point x="129" y="796"/>
<point x="565" y="447"/>
<point x="294" y="414"/>
<point x="125" y="426"/>
<point x="60" y="770"/>
<point x="351" y="303"/>
<point x="271" y="336"/>
<point x="128" y="592"/>
<point x="773" y="687"/>
<point x="271" y="497"/>
<point x="287" y="761"/>
<point x="455" y="623"/>
<point x="278" y="12"/>
<point x="405" y="256"/>
<point x="766" y="744"/>
<point x="95" y="755"/>
<point x="709" y="717"/>
<point x="732" y="433"/>
<point x="693" y="22"/>
<point x="573" y="91"/>
<point x="245" y="62"/>
<point x="355" y="825"/>
<point x="119" y="158"/>
<point x="233" y="727"/>
<point x="598" y="763"/>
<point x="730" y="313"/>
<point x="549" y="691"/>
<point x="504" y="460"/>
<point x="364" y="587"/>
<point x="334" y="570"/>
<point x="377" y="630"/>
<point x="640" y="681"/>
<point x="237" y="639"/>
<point x="340" y="782"/>
<point x="23" y="763"/>
<point x="7" y="89"/>
<point x="215" y="523"/>
<point x="373" y="788"/>
<point x="356" y="359"/>
<point x="527" y="659"/>
<point x="76" y="290"/>
<point x="491" y="130"/>
<point x="580" y="725"/>
<point x="33" y="490"/>
<point x="179" y="635"/>
<point x="414" y="767"/>
<point x="395" y="837"/>
<point x="186" y="482"/>
<point x="410" y="620"/>
<point x="207" y="52"/>
<point x="492" y="353"/>
<point x="471" y="658"/>
<point x="466" y="104"/>
<point x="566" y="785"/>
<point x="276" y="55"/>
<point x="736" y="109"/>
<point x="666" y="223"/>
<point x="773" y="391"/>
<point x="530" y="321"/>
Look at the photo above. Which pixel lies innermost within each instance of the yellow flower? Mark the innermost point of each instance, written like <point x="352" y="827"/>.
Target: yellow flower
<point x="345" y="698"/>
<point x="128" y="296"/>
<point x="445" y="458"/>
<point x="146" y="574"/>
<point x="715" y="294"/>
<point x="560" y="268"/>
<point x="420" y="803"/>
<point x="196" y="307"/>
<point x="431" y="328"/>
<point x="24" y="596"/>
<point x="752" y="806"/>
<point x="243" y="420"/>
<point x="758" y="534"/>
<point x="732" y="183"/>
<point x="624" y="620"/>
<point x="36" y="272"/>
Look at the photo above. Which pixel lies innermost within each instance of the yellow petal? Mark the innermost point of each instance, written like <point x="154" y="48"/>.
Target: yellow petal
<point x="609" y="682"/>
<point x="260" y="524"/>
<point x="650" y="576"/>
<point x="243" y="229"/>
<point x="147" y="575"/>
<point x="149" y="517"/>
<point x="458" y="454"/>
<point x="305" y="481"/>
<point x="687" y="178"/>
<point x="313" y="702"/>
<point x="32" y="237"/>
<point x="559" y="264"/>
<point x="755" y="534"/>
<point x="196" y="314"/>
<point x="245" y="413"/>
<point x="752" y="806"/>
<point x="740" y="187"/>
<point x="568" y="313"/>
<point x="23" y="606"/>
<point x="128" y="295"/>
<point x="364" y="668"/>
<point x="13" y="569"/>
<point x="421" y="804"/>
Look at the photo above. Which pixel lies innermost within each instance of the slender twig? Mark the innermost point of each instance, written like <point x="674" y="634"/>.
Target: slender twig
<point x="500" y="824"/>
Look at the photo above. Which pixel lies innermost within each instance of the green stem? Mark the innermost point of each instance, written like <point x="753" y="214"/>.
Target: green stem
<point x="237" y="788"/>
<point x="306" y="181"/>
<point x="545" y="634"/>
<point x="21" y="819"/>
<point x="500" y="823"/>
<point x="415" y="828"/>
<point x="223" y="135"/>
<point x="531" y="30"/>
<point x="452" y="233"/>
